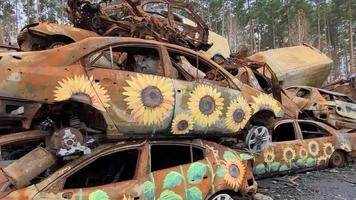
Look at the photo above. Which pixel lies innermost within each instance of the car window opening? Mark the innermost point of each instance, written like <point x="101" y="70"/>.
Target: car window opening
<point x="303" y="93"/>
<point x="283" y="132"/>
<point x="189" y="68"/>
<point x="116" y="167"/>
<point x="135" y="59"/>
<point x="166" y="156"/>
<point x="310" y="131"/>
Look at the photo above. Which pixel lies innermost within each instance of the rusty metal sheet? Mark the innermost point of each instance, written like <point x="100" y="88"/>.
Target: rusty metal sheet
<point x="298" y="65"/>
<point x="60" y="29"/>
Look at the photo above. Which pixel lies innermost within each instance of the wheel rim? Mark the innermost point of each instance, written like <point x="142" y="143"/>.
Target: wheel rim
<point x="223" y="197"/>
<point x="258" y="139"/>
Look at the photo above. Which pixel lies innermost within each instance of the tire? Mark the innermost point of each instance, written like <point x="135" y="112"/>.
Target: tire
<point x="337" y="159"/>
<point x="222" y="196"/>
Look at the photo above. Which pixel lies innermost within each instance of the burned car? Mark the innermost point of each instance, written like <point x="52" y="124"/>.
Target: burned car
<point x="146" y="170"/>
<point x="126" y="87"/>
<point x="299" y="145"/>
<point x="148" y="19"/>
<point x="258" y="75"/>
<point x="336" y="109"/>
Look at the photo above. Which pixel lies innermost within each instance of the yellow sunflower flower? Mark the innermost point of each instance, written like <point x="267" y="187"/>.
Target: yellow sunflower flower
<point x="266" y="102"/>
<point x="303" y="153"/>
<point x="83" y="89"/>
<point x="321" y="161"/>
<point x="269" y="156"/>
<point x="313" y="148"/>
<point x="235" y="173"/>
<point x="205" y="104"/>
<point x="238" y="114"/>
<point x="346" y="147"/>
<point x="288" y="154"/>
<point x="182" y="124"/>
<point x="150" y="98"/>
<point x="328" y="149"/>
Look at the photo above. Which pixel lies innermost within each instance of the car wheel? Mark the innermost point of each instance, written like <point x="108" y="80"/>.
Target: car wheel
<point x="257" y="139"/>
<point x="222" y="196"/>
<point x="337" y="159"/>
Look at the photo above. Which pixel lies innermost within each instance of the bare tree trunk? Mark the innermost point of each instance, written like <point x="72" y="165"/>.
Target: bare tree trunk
<point x="16" y="17"/>
<point x="252" y="32"/>
<point x="351" y="65"/>
<point x="319" y="36"/>
<point x="326" y="29"/>
<point x="273" y="32"/>
<point x="299" y="27"/>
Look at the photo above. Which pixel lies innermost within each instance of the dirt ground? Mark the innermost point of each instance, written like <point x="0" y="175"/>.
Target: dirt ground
<point x="325" y="184"/>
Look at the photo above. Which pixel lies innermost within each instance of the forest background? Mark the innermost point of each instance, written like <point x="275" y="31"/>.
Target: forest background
<point x="259" y="25"/>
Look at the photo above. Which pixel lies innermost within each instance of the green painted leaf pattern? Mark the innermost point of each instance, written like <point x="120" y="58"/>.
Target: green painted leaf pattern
<point x="195" y="194"/>
<point x="301" y="162"/>
<point x="220" y="172"/>
<point x="275" y="166"/>
<point x="98" y="195"/>
<point x="310" y="162"/>
<point x="284" y="168"/>
<point x="245" y="156"/>
<point x="196" y="172"/>
<point x="169" y="195"/>
<point x="172" y="180"/>
<point x="148" y="190"/>
<point x="229" y="155"/>
<point x="260" y="169"/>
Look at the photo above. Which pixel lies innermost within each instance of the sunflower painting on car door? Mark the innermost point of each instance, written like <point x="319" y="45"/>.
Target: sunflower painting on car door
<point x="204" y="108"/>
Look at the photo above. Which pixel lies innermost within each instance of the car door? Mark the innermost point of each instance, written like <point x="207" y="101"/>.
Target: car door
<point x="319" y="143"/>
<point x="202" y="94"/>
<point x="130" y="80"/>
<point x="109" y="174"/>
<point x="179" y="171"/>
<point x="281" y="154"/>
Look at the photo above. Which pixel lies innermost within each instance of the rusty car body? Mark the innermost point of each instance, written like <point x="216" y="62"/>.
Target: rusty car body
<point x="345" y="86"/>
<point x="146" y="170"/>
<point x="259" y="76"/>
<point x="299" y="145"/>
<point x="291" y="64"/>
<point x="333" y="108"/>
<point x="127" y="87"/>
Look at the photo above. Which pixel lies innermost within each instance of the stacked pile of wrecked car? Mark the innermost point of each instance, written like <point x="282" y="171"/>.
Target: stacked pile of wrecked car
<point x="139" y="101"/>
